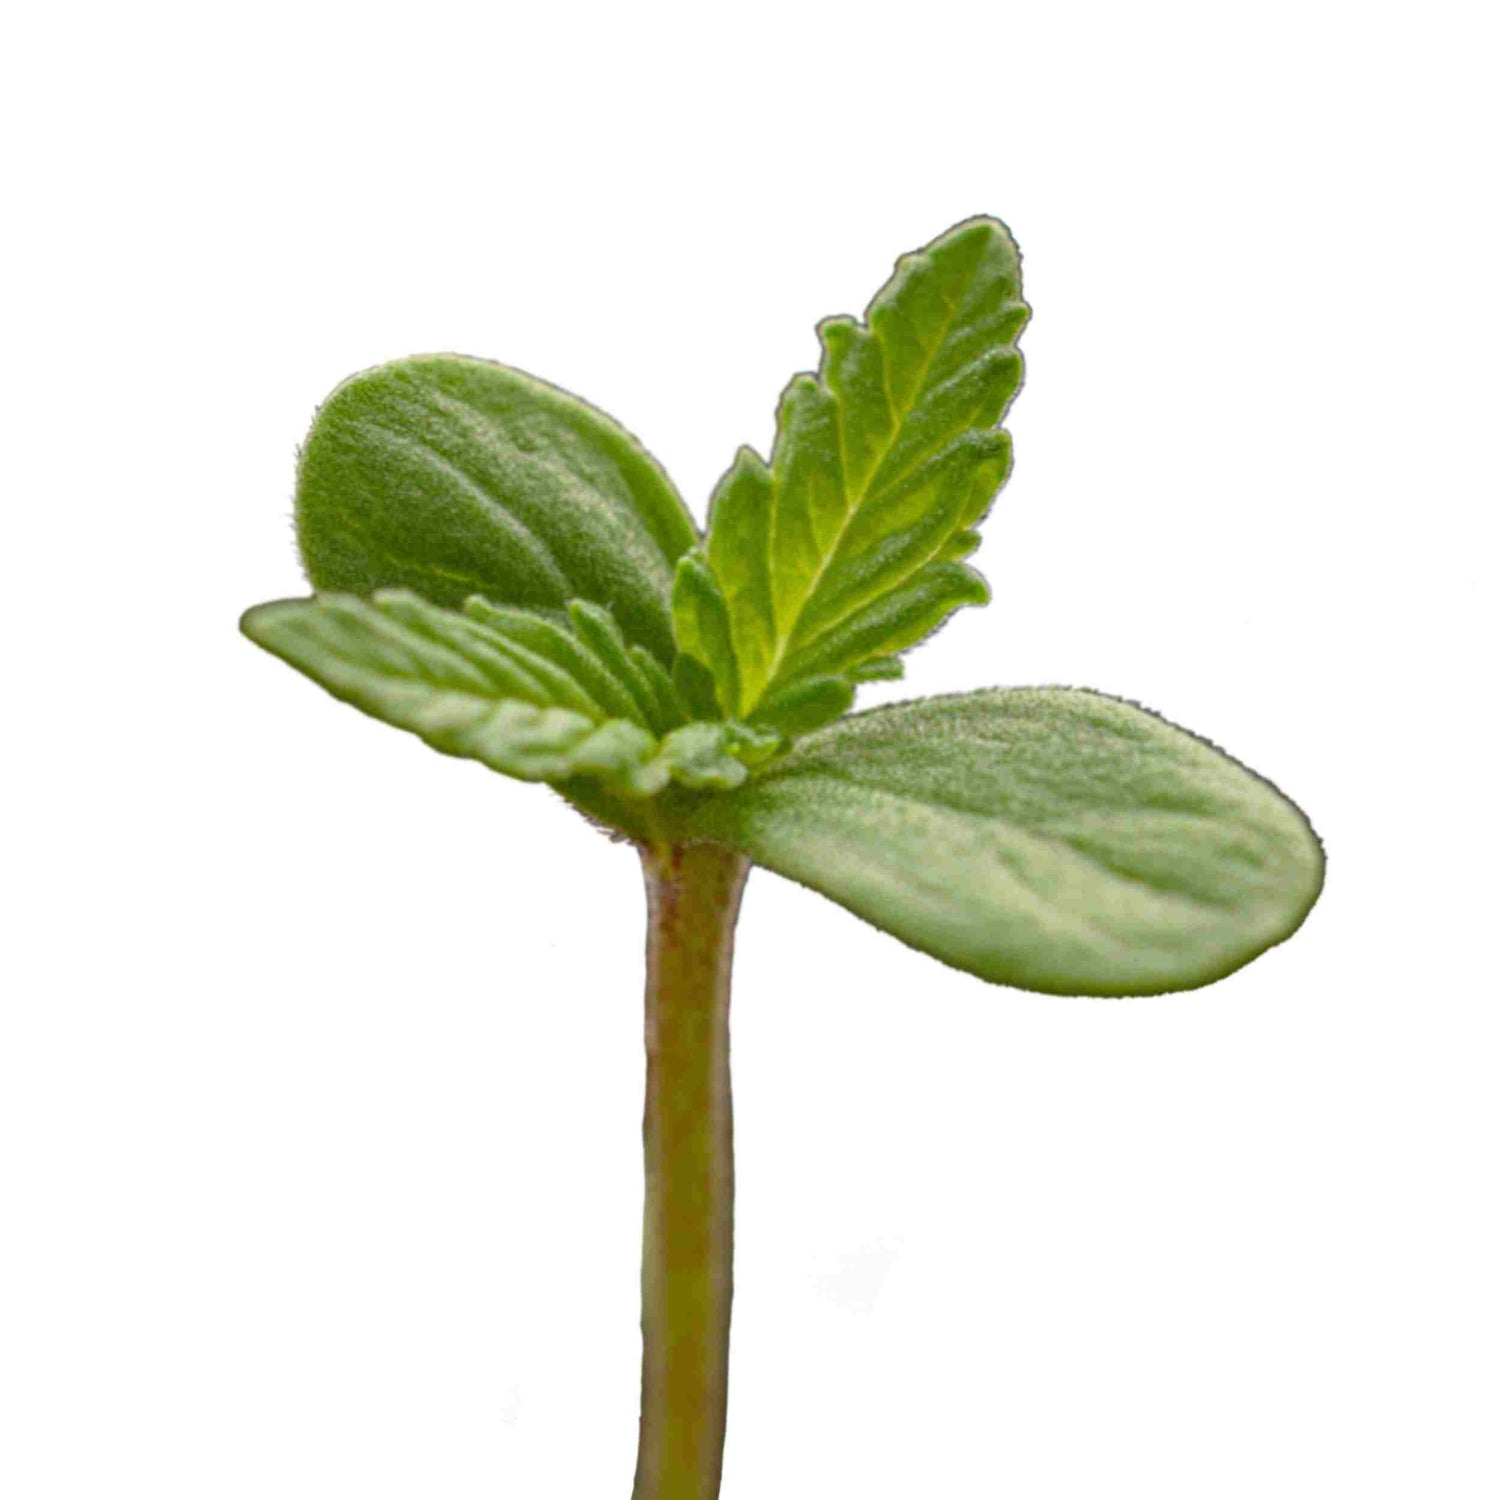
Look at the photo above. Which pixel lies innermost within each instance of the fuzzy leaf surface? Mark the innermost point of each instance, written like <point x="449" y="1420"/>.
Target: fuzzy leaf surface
<point x="520" y="693"/>
<point x="847" y="547"/>
<point x="453" y="477"/>
<point x="1046" y="838"/>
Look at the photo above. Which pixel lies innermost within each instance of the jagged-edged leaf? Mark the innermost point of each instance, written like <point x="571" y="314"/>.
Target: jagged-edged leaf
<point x="596" y="628"/>
<point x="805" y="706"/>
<point x="702" y="623"/>
<point x="847" y="547"/>
<point x="1047" y="838"/>
<point x="600" y="679"/>
<point x="494" y="684"/>
<point x="453" y="477"/>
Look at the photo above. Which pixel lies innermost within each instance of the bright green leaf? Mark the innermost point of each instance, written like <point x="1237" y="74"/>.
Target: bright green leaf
<point x="847" y="547"/>
<point x="493" y="684"/>
<point x="1046" y="838"/>
<point x="455" y="477"/>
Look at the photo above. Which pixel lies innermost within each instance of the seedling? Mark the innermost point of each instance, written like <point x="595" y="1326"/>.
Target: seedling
<point x="503" y="571"/>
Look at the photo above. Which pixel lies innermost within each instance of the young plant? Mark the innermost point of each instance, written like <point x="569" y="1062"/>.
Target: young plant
<point x="502" y="570"/>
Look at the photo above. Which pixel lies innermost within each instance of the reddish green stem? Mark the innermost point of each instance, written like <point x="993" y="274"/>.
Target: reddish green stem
<point x="687" y="1268"/>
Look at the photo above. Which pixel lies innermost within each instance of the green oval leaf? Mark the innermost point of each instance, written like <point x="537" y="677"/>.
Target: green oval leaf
<point x="1046" y="838"/>
<point x="453" y="477"/>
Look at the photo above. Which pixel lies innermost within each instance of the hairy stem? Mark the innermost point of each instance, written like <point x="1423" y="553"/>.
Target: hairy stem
<point x="687" y="1268"/>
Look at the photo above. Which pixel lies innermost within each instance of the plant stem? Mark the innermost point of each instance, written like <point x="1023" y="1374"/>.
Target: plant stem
<point x="693" y="892"/>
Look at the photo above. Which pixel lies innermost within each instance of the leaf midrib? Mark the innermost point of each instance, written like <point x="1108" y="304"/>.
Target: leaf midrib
<point x="951" y="310"/>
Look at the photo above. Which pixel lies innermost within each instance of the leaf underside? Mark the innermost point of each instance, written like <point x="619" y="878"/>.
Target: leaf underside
<point x="454" y="477"/>
<point x="847" y="548"/>
<point x="1046" y="838"/>
<point x="539" y="698"/>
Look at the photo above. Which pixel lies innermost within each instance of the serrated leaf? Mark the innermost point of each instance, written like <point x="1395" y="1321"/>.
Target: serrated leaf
<point x="556" y="641"/>
<point x="847" y="547"/>
<point x="805" y="706"/>
<point x="497" y="685"/>
<point x="1047" y="838"/>
<point x="596" y="628"/>
<point x="702" y="624"/>
<point x="667" y="707"/>
<point x="454" y="477"/>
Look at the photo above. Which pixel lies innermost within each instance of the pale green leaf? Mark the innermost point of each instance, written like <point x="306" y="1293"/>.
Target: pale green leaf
<point x="754" y="744"/>
<point x="551" y="638"/>
<point x="1046" y="838"/>
<point x="698" y="755"/>
<point x="847" y="548"/>
<point x="519" y="692"/>
<point x="455" y="477"/>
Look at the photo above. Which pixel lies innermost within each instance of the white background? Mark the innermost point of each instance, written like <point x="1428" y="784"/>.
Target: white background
<point x="320" y="1055"/>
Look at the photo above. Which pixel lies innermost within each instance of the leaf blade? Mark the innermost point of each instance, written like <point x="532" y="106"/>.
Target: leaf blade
<point x="452" y="477"/>
<point x="1051" y="839"/>
<point x="513" y="691"/>
<point x="883" y="464"/>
